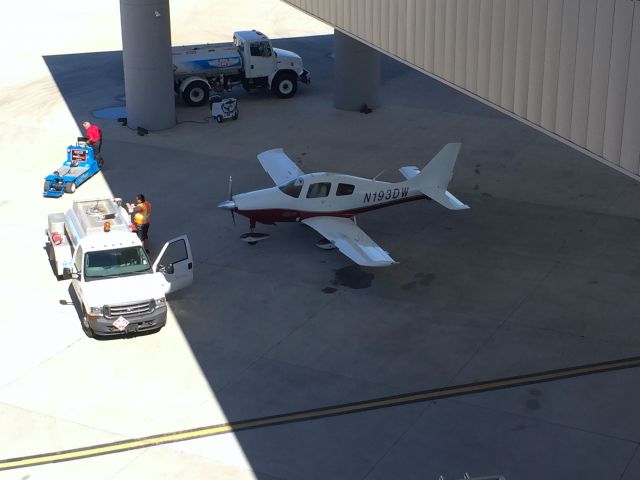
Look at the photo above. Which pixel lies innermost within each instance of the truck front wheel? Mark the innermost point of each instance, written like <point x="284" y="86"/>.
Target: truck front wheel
<point x="196" y="94"/>
<point x="86" y="328"/>
<point x="285" y="85"/>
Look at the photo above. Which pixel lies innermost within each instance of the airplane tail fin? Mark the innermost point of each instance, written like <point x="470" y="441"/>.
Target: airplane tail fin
<point x="434" y="178"/>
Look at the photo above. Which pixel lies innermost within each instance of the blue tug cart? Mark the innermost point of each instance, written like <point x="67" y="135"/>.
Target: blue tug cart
<point x="79" y="167"/>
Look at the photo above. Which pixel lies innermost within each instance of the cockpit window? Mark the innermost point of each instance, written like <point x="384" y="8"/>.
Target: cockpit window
<point x="292" y="188"/>
<point x="319" y="190"/>
<point x="345" y="189"/>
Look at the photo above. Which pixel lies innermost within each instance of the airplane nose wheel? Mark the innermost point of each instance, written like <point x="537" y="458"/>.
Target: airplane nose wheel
<point x="253" y="237"/>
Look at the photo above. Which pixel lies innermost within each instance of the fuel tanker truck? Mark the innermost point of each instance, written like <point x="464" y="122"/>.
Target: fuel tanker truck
<point x="250" y="61"/>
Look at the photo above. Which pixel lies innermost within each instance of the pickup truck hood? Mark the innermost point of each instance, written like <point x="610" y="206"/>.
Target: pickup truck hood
<point x="122" y="290"/>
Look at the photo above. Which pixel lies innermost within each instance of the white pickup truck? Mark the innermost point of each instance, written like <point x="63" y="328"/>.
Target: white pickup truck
<point x="250" y="61"/>
<point x="118" y="289"/>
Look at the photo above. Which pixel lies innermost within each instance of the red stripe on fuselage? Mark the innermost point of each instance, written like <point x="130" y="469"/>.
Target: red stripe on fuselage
<point x="269" y="216"/>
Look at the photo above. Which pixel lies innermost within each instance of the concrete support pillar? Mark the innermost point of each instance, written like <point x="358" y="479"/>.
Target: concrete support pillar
<point x="148" y="70"/>
<point x="356" y="74"/>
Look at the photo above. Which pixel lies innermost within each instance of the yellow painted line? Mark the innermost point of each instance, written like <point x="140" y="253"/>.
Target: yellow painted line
<point x="133" y="444"/>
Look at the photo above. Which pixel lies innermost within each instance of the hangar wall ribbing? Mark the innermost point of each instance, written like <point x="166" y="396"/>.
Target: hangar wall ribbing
<point x="568" y="67"/>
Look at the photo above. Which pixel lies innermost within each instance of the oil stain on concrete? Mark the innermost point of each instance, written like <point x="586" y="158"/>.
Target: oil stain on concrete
<point x="533" y="403"/>
<point x="421" y="279"/>
<point x="353" y="276"/>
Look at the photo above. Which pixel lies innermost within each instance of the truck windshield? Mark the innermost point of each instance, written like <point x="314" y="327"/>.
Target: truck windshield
<point x="113" y="263"/>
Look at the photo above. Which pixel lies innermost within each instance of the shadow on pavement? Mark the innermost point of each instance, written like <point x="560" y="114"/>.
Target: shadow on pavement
<point x="505" y="289"/>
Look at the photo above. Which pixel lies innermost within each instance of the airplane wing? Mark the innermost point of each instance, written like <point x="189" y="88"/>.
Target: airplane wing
<point x="350" y="240"/>
<point x="279" y="167"/>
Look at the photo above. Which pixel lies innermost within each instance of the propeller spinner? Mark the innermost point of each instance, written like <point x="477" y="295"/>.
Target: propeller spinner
<point x="229" y="204"/>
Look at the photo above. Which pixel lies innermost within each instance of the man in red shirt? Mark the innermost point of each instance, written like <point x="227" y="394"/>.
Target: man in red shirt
<point x="94" y="139"/>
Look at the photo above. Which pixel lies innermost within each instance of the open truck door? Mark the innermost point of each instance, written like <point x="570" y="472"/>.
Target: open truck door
<point x="175" y="264"/>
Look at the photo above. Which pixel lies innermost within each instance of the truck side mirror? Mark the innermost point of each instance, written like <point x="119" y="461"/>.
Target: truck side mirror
<point x="67" y="274"/>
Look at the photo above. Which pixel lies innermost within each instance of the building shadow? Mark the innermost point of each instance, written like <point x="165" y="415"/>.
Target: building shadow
<point x="281" y="327"/>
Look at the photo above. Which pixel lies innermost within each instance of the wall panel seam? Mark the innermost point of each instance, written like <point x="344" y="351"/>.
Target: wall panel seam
<point x="626" y="85"/>
<point x="593" y="51"/>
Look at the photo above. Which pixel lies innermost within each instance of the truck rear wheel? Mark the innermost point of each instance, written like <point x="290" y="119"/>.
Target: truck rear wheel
<point x="69" y="187"/>
<point x="285" y="85"/>
<point x="47" y="185"/>
<point x="196" y="94"/>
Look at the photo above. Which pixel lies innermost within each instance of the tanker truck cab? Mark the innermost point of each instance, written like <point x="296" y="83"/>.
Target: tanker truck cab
<point x="257" y="55"/>
<point x="118" y="289"/>
<point x="266" y="66"/>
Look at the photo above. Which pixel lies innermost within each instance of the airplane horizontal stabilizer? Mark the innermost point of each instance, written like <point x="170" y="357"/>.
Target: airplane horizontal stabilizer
<point x="434" y="178"/>
<point x="409" y="172"/>
<point x="446" y="199"/>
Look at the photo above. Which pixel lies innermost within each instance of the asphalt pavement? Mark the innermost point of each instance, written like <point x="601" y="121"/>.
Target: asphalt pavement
<point x="541" y="274"/>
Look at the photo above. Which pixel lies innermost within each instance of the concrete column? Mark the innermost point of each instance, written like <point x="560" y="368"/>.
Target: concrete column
<point x="148" y="70"/>
<point x="356" y="74"/>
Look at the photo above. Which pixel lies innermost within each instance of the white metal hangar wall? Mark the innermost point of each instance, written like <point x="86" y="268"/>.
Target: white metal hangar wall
<point x="568" y="67"/>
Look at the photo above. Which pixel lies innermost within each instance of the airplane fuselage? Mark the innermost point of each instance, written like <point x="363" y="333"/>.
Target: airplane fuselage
<point x="322" y="194"/>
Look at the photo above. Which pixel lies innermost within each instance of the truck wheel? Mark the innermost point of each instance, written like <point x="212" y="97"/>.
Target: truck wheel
<point x="47" y="185"/>
<point x="235" y="116"/>
<point x="196" y="94"/>
<point x="86" y="328"/>
<point x="69" y="187"/>
<point x="219" y="118"/>
<point x="285" y="85"/>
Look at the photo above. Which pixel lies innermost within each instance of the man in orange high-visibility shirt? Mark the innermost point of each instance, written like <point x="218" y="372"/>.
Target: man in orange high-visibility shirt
<point x="141" y="214"/>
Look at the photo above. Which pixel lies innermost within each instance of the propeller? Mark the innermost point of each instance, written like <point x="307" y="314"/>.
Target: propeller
<point x="229" y="204"/>
<point x="233" y="217"/>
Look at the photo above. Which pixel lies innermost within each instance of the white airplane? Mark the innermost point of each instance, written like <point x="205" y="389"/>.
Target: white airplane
<point x="329" y="202"/>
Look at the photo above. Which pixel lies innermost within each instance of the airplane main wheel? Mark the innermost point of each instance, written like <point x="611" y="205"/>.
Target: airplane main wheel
<point x="325" y="244"/>
<point x="69" y="187"/>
